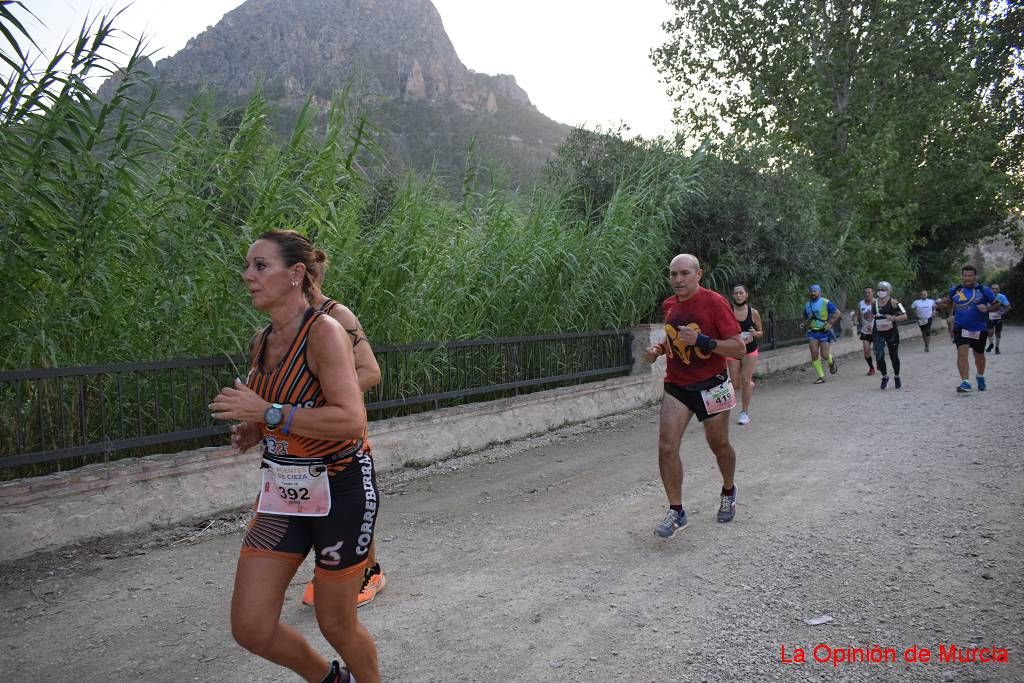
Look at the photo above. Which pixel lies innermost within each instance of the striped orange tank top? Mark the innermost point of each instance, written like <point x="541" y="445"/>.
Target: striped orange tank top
<point x="292" y="383"/>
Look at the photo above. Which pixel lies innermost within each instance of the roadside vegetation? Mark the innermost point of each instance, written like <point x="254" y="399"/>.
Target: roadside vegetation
<point x="123" y="229"/>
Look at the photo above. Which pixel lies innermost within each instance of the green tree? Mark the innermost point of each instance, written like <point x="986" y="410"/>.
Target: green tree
<point x="899" y="105"/>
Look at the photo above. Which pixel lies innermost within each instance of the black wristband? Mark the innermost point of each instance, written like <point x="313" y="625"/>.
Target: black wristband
<point x="705" y="343"/>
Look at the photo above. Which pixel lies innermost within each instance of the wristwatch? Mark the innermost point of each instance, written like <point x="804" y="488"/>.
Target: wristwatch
<point x="273" y="415"/>
<point x="710" y="346"/>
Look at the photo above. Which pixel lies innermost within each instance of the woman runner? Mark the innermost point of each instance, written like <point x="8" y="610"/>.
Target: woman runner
<point x="742" y="370"/>
<point x="887" y="312"/>
<point x="301" y="399"/>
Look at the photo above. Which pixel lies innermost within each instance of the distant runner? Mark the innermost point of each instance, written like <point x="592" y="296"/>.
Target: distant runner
<point x="995" y="319"/>
<point x="968" y="325"/>
<point x="888" y="312"/>
<point x="820" y="315"/>
<point x="865" y="315"/>
<point x="924" y="309"/>
<point x="751" y="329"/>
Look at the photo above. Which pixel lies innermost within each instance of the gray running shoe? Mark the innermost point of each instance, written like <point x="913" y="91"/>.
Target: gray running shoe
<point x="727" y="510"/>
<point x="673" y="522"/>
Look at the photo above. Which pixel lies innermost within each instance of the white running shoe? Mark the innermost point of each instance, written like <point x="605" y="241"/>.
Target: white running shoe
<point x="744" y="418"/>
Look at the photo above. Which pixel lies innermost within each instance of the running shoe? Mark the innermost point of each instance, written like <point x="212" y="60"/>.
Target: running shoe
<point x="897" y="384"/>
<point x="833" y="366"/>
<point x="673" y="522"/>
<point x="337" y="674"/>
<point x="997" y="350"/>
<point x="744" y="418"/>
<point x="307" y="595"/>
<point x="727" y="509"/>
<point x="871" y="371"/>
<point x="964" y="388"/>
<point x="989" y="348"/>
<point x="885" y="382"/>
<point x="926" y="349"/>
<point x="373" y="583"/>
<point x="820" y="380"/>
<point x="981" y="384"/>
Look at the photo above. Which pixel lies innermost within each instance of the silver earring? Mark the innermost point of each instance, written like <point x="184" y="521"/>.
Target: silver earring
<point x="294" y="283"/>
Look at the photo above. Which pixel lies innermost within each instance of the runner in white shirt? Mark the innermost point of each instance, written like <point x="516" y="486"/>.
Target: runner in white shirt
<point x="924" y="309"/>
<point x="865" y="314"/>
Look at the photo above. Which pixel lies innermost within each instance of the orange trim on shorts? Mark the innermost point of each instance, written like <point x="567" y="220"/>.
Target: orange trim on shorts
<point x="340" y="574"/>
<point x="291" y="558"/>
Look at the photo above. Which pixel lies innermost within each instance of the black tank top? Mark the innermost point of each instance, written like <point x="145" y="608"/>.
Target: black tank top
<point x="891" y="307"/>
<point x="748" y="324"/>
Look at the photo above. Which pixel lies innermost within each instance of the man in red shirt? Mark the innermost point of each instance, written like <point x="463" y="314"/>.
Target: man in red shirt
<point x="700" y="332"/>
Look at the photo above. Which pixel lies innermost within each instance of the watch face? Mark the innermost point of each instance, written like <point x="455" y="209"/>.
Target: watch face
<point x="273" y="416"/>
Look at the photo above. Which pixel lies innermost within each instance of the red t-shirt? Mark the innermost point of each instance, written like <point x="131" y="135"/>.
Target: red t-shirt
<point x="706" y="312"/>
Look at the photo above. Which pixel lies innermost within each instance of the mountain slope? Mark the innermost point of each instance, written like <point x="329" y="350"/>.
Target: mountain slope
<point x="399" y="63"/>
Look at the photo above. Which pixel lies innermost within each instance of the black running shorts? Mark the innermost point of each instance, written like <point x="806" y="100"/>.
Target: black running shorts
<point x="977" y="345"/>
<point x="690" y="397"/>
<point x="341" y="539"/>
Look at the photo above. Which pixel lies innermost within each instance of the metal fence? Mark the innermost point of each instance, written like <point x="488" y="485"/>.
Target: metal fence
<point x="58" y="418"/>
<point x="782" y="332"/>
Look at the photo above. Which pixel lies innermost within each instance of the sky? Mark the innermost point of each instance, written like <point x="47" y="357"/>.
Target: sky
<point x="582" y="62"/>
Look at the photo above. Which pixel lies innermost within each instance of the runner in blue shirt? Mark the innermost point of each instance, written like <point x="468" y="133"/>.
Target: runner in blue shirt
<point x="995" y="319"/>
<point x="820" y="315"/>
<point x="968" y="325"/>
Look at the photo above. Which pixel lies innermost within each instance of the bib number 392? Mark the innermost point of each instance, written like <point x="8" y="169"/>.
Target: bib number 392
<point x="719" y="398"/>
<point x="297" y="490"/>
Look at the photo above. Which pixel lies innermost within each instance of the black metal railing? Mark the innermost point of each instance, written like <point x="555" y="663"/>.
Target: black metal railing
<point x="782" y="332"/>
<point x="58" y="418"/>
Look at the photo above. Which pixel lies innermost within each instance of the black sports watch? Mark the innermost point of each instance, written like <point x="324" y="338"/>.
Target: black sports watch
<point x="273" y="415"/>
<point x="710" y="345"/>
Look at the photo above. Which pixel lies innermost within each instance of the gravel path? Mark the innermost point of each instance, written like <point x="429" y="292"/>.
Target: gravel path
<point x="897" y="514"/>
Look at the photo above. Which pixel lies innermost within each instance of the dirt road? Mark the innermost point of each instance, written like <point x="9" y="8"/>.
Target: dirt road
<point x="897" y="514"/>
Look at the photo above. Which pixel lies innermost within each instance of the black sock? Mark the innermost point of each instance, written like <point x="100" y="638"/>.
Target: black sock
<point x="870" y="362"/>
<point x="730" y="491"/>
<point x="677" y="508"/>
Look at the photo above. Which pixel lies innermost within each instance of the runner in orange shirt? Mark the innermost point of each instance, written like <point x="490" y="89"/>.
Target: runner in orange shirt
<point x="301" y="401"/>
<point x="368" y="372"/>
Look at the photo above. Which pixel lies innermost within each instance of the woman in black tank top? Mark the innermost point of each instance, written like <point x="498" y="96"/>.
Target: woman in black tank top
<point x="742" y="370"/>
<point x="888" y="312"/>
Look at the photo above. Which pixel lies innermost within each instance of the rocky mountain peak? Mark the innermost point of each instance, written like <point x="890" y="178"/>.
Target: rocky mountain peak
<point x="394" y="56"/>
<point x="392" y="48"/>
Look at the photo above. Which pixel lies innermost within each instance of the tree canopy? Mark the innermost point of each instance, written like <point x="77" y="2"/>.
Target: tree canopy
<point x="909" y="110"/>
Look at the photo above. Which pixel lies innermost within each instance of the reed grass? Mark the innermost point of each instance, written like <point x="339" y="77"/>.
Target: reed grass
<point x="124" y="230"/>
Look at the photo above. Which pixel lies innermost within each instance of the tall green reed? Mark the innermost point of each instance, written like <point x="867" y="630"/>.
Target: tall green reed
<point x="124" y="229"/>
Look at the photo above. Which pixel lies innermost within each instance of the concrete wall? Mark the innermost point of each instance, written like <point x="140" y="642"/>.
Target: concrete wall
<point x="139" y="494"/>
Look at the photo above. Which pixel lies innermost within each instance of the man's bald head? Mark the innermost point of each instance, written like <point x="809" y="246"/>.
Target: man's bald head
<point x="687" y="259"/>
<point x="684" y="275"/>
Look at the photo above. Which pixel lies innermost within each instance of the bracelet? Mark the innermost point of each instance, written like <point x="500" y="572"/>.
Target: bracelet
<point x="288" y="423"/>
